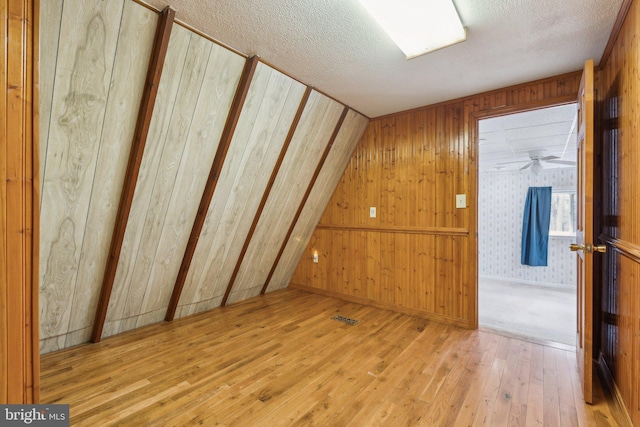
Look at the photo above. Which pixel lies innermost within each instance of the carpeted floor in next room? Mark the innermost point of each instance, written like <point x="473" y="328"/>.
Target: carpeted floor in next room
<point x="540" y="313"/>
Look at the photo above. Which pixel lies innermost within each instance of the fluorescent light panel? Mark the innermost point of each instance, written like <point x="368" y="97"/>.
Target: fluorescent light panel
<point x="418" y="26"/>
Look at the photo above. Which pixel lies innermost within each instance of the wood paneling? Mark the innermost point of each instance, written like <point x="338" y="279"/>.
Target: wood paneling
<point x="19" y="204"/>
<point x="49" y="30"/>
<point x="418" y="255"/>
<point x="95" y="59"/>
<point x="343" y="146"/>
<point x="269" y="109"/>
<point x="194" y="97"/>
<point x="303" y="368"/>
<point x="312" y="135"/>
<point x="233" y="117"/>
<point x="620" y="115"/>
<point x="147" y="103"/>
<point x="90" y="132"/>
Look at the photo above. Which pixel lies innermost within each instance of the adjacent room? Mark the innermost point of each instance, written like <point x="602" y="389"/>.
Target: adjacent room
<point x="531" y="298"/>
<point x="287" y="213"/>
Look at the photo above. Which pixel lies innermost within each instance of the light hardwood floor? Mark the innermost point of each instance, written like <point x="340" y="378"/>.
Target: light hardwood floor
<point x="281" y="360"/>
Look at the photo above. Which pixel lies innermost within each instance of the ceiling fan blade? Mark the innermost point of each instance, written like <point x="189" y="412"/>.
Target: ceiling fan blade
<point x="527" y="166"/>
<point x="562" y="162"/>
<point x="547" y="158"/>
<point x="510" y="163"/>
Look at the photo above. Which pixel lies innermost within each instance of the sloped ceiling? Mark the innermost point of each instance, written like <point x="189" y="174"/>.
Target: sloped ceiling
<point x="232" y="159"/>
<point x="339" y="49"/>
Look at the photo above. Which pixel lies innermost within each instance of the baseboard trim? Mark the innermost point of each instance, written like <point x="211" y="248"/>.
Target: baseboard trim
<point x="611" y="386"/>
<point x="462" y="323"/>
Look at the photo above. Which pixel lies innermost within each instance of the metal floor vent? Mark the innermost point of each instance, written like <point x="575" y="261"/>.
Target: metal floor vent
<point x="346" y="320"/>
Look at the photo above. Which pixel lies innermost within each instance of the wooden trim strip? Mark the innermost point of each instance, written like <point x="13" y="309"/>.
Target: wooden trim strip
<point x="332" y="139"/>
<point x="628" y="249"/>
<point x="439" y="231"/>
<point x="617" y="27"/>
<point x="156" y="63"/>
<point x="19" y="205"/>
<point x="504" y="110"/>
<point x="267" y="191"/>
<point x="35" y="230"/>
<point x="212" y="181"/>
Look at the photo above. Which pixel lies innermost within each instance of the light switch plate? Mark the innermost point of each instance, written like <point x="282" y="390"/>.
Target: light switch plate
<point x="461" y="201"/>
<point x="372" y="212"/>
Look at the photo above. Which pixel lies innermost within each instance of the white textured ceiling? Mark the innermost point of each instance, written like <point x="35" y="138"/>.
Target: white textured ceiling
<point x="336" y="47"/>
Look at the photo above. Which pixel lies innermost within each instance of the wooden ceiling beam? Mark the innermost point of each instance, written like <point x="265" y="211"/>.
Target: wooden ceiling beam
<point x="332" y="139"/>
<point x="147" y="103"/>
<point x="212" y="181"/>
<point x="267" y="191"/>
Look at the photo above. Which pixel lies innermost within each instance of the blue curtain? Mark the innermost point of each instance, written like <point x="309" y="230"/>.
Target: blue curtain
<point x="535" y="226"/>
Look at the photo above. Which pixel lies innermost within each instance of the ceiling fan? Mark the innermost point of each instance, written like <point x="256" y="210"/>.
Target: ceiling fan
<point x="536" y="163"/>
<point x="536" y="160"/>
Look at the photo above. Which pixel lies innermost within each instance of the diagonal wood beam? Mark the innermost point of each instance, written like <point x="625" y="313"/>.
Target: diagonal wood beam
<point x="334" y="135"/>
<point x="267" y="191"/>
<point x="158" y="55"/>
<point x="223" y="147"/>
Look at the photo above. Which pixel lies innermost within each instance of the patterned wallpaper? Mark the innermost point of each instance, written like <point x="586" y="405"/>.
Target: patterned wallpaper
<point x="501" y="206"/>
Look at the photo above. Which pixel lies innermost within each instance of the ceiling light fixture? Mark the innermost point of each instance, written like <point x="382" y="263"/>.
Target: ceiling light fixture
<point x="536" y="167"/>
<point x="418" y="26"/>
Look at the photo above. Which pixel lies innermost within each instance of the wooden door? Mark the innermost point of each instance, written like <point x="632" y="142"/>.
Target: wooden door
<point x="584" y="234"/>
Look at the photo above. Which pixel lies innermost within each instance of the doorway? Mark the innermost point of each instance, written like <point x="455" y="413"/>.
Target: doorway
<point x="517" y="151"/>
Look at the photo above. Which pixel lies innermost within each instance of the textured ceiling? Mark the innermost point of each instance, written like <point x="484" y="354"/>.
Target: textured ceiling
<point x="336" y="47"/>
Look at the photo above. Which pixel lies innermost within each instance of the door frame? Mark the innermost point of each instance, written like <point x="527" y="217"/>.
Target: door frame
<point x="474" y="120"/>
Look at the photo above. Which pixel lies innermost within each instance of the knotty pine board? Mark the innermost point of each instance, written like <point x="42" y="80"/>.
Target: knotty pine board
<point x="312" y="135"/>
<point x="353" y="263"/>
<point x="88" y="39"/>
<point x="271" y="104"/>
<point x="340" y="154"/>
<point x="207" y="86"/>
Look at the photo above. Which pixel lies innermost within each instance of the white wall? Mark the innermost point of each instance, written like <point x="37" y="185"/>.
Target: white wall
<point x="501" y="206"/>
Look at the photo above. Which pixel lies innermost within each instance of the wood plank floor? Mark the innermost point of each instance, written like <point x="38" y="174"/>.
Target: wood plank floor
<point x="281" y="360"/>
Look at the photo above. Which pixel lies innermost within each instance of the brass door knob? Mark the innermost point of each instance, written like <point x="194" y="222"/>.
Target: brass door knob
<point x="588" y="248"/>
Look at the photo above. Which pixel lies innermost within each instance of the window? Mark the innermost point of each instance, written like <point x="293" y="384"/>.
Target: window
<point x="564" y="207"/>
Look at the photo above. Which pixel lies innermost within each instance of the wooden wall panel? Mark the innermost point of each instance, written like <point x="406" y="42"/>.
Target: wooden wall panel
<point x="207" y="83"/>
<point x="50" y="20"/>
<point x="418" y="255"/>
<point x="90" y="132"/>
<point x="149" y="169"/>
<point x="270" y="107"/>
<point x="347" y="138"/>
<point x="317" y="123"/>
<point x="620" y="114"/>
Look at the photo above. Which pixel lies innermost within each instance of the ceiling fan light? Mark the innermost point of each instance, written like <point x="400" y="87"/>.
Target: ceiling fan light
<point x="536" y="167"/>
